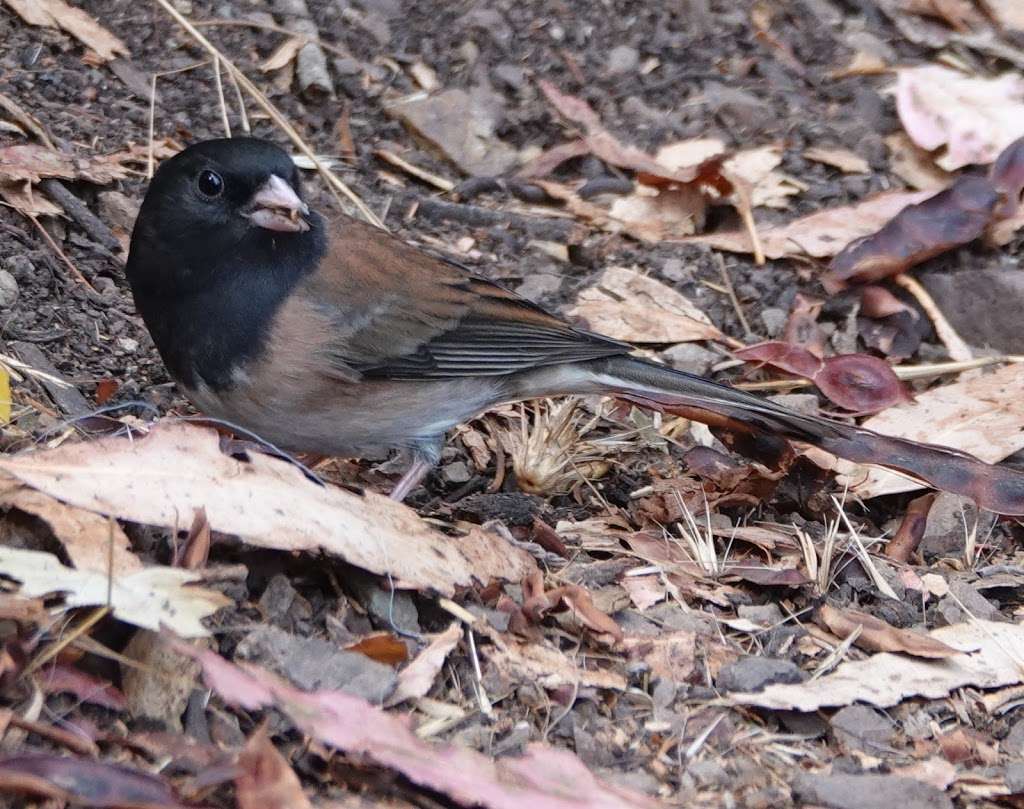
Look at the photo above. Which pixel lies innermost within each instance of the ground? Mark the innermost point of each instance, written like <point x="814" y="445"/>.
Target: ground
<point x="655" y="73"/>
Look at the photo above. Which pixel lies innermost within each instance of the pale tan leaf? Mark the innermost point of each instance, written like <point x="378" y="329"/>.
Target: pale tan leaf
<point x="545" y="666"/>
<point x="166" y="476"/>
<point x="838" y="157"/>
<point x="91" y="541"/>
<point x="989" y="658"/>
<point x="983" y="415"/>
<point x="876" y="635"/>
<point x="145" y="598"/>
<point x="283" y="55"/>
<point x="768" y="187"/>
<point x="914" y="165"/>
<point x="629" y="306"/>
<point x="416" y="679"/>
<point x="671" y="656"/>
<point x="974" y="118"/>
<point x="59" y="14"/>
<point x="1008" y="13"/>
<point x="686" y="154"/>
<point x="822" y="234"/>
<point x="25" y="200"/>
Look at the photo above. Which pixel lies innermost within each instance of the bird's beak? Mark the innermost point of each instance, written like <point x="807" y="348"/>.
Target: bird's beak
<point x="276" y="206"/>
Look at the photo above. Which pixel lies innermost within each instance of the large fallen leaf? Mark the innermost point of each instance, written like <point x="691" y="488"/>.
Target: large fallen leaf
<point x="990" y="658"/>
<point x="264" y="778"/>
<point x="58" y="14"/>
<point x="982" y="415"/>
<point x="974" y="118"/>
<point x="543" y="778"/>
<point x="629" y="306"/>
<point x="878" y="636"/>
<point x="146" y="598"/>
<point x="166" y="476"/>
<point x="821" y="234"/>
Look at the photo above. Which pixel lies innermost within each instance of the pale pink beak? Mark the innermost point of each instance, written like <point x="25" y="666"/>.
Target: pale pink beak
<point x="276" y="206"/>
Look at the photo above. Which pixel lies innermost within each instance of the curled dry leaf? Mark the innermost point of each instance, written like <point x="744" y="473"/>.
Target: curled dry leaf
<point x="974" y="118"/>
<point x="59" y="14"/>
<point x="838" y="157"/>
<point x="914" y="165"/>
<point x="144" y="598"/>
<point x="987" y="657"/>
<point x="545" y="666"/>
<point x="626" y="305"/>
<point x="911" y="531"/>
<point x="537" y="602"/>
<point x="802" y="325"/>
<point x="878" y="636"/>
<point x="178" y="468"/>
<point x="856" y="382"/>
<point x="671" y="656"/>
<point x="955" y="216"/>
<point x="537" y="779"/>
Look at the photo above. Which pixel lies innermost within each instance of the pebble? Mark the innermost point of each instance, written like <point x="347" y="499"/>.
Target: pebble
<point x="456" y="472"/>
<point x="622" y="59"/>
<point x="690" y="357"/>
<point x="774" y="320"/>
<point x="8" y="290"/>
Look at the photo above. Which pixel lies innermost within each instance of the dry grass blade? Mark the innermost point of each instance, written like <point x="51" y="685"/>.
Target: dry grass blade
<point x="863" y="556"/>
<point x="334" y="182"/>
<point x="700" y="539"/>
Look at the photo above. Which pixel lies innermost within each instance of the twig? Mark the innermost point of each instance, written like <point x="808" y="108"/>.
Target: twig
<point x="957" y="348"/>
<point x="335" y="184"/>
<point x="556" y="230"/>
<point x="731" y="292"/>
<point x="220" y="98"/>
<point x="75" y="272"/>
<point x="80" y="213"/>
<point x="415" y="171"/>
<point x="243" y="116"/>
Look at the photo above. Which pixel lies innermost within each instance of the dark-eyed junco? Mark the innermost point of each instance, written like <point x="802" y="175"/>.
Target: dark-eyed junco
<point x="337" y="338"/>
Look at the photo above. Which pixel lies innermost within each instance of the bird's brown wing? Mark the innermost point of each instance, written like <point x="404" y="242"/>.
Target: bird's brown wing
<point x="398" y="313"/>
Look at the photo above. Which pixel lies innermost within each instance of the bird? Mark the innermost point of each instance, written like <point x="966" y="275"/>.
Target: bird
<point x="334" y="337"/>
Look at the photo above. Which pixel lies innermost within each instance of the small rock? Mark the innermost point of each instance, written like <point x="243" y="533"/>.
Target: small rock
<point x="945" y="531"/>
<point x="869" y="792"/>
<point x="690" y="357"/>
<point x="984" y="306"/>
<point x="858" y="727"/>
<point x="20" y="267"/>
<point x="128" y="344"/>
<point x="159" y="688"/>
<point x="1015" y="777"/>
<point x="513" y="76"/>
<point x="708" y="773"/>
<point x="457" y="472"/>
<point x="388" y="606"/>
<point x="806" y="403"/>
<point x="751" y="674"/>
<point x="1013" y="744"/>
<point x="951" y="612"/>
<point x="347" y="66"/>
<point x="8" y="290"/>
<point x="282" y="603"/>
<point x="539" y="285"/>
<point x="744" y="110"/>
<point x="313" y="665"/>
<point x="622" y="59"/>
<point x="675" y="269"/>
<point x="117" y="210"/>
<point x="774" y="320"/>
<point x="762" y="614"/>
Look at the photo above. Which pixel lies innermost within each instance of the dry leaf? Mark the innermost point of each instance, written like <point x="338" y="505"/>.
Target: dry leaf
<point x="146" y="598"/>
<point x="654" y="214"/>
<point x="688" y="154"/>
<point x="263" y="777"/>
<point x="58" y="14"/>
<point x="974" y="118"/>
<point x="1008" y="13"/>
<point x="878" y="636"/>
<point x="914" y="165"/>
<point x="838" y="157"/>
<point x="989" y="659"/>
<point x="539" y="779"/>
<point x="164" y="477"/>
<point x="821" y="234"/>
<point x="283" y="55"/>
<point x="92" y="542"/>
<point x="671" y="656"/>
<point x="545" y="666"/>
<point x="768" y="187"/>
<point x="982" y="415"/>
<point x="626" y="305"/>
<point x="416" y="679"/>
<point x="23" y="198"/>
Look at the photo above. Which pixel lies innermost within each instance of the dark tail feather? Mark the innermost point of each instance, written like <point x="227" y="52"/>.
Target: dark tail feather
<point x="996" y="488"/>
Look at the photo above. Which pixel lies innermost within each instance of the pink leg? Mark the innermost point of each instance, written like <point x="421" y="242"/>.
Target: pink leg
<point x="411" y="479"/>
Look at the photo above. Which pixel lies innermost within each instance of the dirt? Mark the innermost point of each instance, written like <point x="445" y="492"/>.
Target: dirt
<point x="710" y="74"/>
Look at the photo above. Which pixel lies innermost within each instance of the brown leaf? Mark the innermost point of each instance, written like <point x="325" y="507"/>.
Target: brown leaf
<point x="838" y="157"/>
<point x="383" y="647"/>
<point x="952" y="217"/>
<point x="60" y="678"/>
<point x="1007" y="175"/>
<point x="878" y="636"/>
<point x="802" y="325"/>
<point x="537" y="602"/>
<point x="59" y="14"/>
<point x="911" y="531"/>
<point x="416" y="679"/>
<point x="264" y="779"/>
<point x="86" y="783"/>
<point x="792" y="359"/>
<point x="671" y="656"/>
<point x="756" y="572"/>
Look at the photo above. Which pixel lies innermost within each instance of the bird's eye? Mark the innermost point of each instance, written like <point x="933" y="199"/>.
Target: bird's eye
<point x="210" y="184"/>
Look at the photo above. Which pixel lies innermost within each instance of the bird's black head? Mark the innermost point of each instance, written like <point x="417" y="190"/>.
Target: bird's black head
<point x="222" y="238"/>
<point x="226" y="199"/>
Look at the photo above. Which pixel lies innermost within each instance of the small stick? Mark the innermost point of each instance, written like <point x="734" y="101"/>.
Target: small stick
<point x="731" y="292"/>
<point x="79" y="211"/>
<point x="220" y="97"/>
<point x="954" y="343"/>
<point x="56" y="248"/>
<point x="242" y="114"/>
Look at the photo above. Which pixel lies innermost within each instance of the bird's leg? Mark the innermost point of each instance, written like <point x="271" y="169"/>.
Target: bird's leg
<point x="412" y="478"/>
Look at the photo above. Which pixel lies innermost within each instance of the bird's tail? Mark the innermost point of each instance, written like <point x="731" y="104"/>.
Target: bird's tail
<point x="995" y="488"/>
